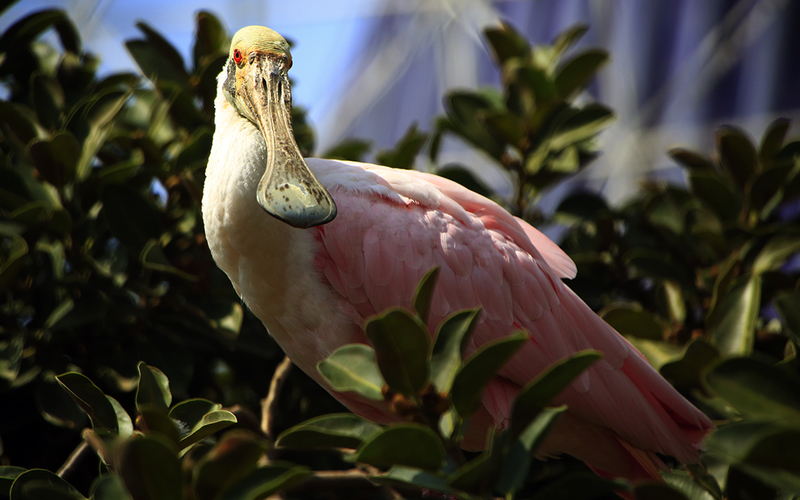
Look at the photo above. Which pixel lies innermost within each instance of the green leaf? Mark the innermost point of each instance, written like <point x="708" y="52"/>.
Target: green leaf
<point x="91" y="399"/>
<point x="733" y="330"/>
<point x="775" y="252"/>
<point x="737" y="155"/>
<point x="11" y="260"/>
<point x="465" y="110"/>
<point x="767" y="189"/>
<point x="632" y="320"/>
<point x="121" y="172"/>
<point x="657" y="264"/>
<point x="47" y="98"/>
<point x="788" y="307"/>
<point x="710" y="187"/>
<point x="28" y="29"/>
<point x="109" y="487"/>
<point x="451" y="339"/>
<point x="57" y="406"/>
<point x="480" y="368"/>
<point x="20" y="121"/>
<point x="400" y="475"/>
<point x="230" y="461"/>
<point x="412" y="445"/>
<point x="95" y="126"/>
<point x="353" y="368"/>
<point x="132" y="218"/>
<point x="8" y="474"/>
<point x="688" y="370"/>
<point x="405" y="151"/>
<point x="576" y="73"/>
<point x="690" y="159"/>
<point x="153" y="258"/>
<point x="200" y="418"/>
<point x="150" y="469"/>
<point x="57" y="158"/>
<point x="348" y="149"/>
<point x="339" y="430"/>
<point x="656" y="491"/>
<point x="266" y="481"/>
<point x="772" y="140"/>
<point x="155" y="419"/>
<point x="538" y="393"/>
<point x="580" y="125"/>
<point x="40" y="484"/>
<point x="466" y="178"/>
<point x="569" y="37"/>
<point x="211" y="39"/>
<point x="517" y="460"/>
<point x="157" y="58"/>
<point x="506" y="43"/>
<point x="401" y="344"/>
<point x="153" y="388"/>
<point x="757" y="388"/>
<point x="424" y="294"/>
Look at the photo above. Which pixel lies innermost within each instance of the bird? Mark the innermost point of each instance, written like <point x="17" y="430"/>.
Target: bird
<point x="314" y="247"/>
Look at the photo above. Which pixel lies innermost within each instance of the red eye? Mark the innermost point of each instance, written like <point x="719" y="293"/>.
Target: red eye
<point x="237" y="56"/>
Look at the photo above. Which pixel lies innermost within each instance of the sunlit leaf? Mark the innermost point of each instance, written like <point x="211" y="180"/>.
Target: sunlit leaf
<point x="733" y="330"/>
<point x="412" y="445"/>
<point x="737" y="155"/>
<point x="353" y="367"/>
<point x="424" y="293"/>
<point x="480" y="368"/>
<point x="451" y="339"/>
<point x="341" y="430"/>
<point x="632" y="320"/>
<point x="401" y="344"/>
<point x="576" y="73"/>
<point x="91" y="399"/>
<point x="153" y="388"/>
<point x="150" y="469"/>
<point x="757" y="388"/>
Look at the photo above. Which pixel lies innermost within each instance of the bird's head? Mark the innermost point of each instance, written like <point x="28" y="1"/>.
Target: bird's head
<point x="257" y="85"/>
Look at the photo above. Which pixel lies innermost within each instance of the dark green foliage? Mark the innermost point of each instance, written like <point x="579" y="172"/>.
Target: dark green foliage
<point x="104" y="274"/>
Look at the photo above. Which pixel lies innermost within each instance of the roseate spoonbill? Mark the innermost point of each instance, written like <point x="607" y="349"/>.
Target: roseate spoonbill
<point x="313" y="279"/>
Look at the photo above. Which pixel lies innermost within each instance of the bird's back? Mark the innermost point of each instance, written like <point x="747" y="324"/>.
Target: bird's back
<point x="393" y="226"/>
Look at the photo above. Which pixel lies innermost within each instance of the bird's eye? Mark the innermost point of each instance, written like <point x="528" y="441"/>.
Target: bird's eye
<point x="237" y="56"/>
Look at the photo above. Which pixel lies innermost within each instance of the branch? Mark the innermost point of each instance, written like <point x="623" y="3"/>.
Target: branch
<point x="269" y="405"/>
<point x="73" y="459"/>
<point x="353" y="479"/>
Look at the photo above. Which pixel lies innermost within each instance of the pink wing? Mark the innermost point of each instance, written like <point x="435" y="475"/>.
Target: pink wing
<point x="383" y="241"/>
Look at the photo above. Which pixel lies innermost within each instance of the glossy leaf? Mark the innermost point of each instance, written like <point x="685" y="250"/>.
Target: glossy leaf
<point x="211" y="38"/>
<point x="737" y="155"/>
<point x="775" y="252"/>
<point x="451" y="339"/>
<point x="506" y="43"/>
<point x="772" y="140"/>
<point x="341" y="430"/>
<point x="576" y="73"/>
<point x="157" y="58"/>
<point x="537" y="394"/>
<point x="8" y="473"/>
<point x="689" y="369"/>
<point x="91" y="399"/>
<point x="423" y="296"/>
<point x="235" y="456"/>
<point x="569" y="37"/>
<point x="757" y="388"/>
<point x="153" y="388"/>
<point x="716" y="193"/>
<point x="265" y="481"/>
<point x="401" y="344"/>
<point x="98" y="115"/>
<point x="150" y="469"/>
<point x="517" y="459"/>
<point x="40" y="484"/>
<point x="412" y="445"/>
<point x="109" y="487"/>
<point x="480" y="368"/>
<point x="200" y="419"/>
<point x="353" y="367"/>
<point x="691" y="159"/>
<point x="733" y="331"/>
<point x="27" y="29"/>
<point x="788" y="307"/>
<point x="632" y="320"/>
<point x="400" y="475"/>
<point x="581" y="125"/>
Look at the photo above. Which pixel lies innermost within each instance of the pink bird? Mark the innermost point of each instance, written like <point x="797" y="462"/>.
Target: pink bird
<point x="313" y="275"/>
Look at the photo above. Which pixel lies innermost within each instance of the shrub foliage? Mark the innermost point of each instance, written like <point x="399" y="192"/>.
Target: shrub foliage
<point x="105" y="274"/>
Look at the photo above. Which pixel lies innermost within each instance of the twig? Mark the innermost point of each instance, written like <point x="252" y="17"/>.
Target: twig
<point x="73" y="459"/>
<point x="269" y="405"/>
<point x="342" y="480"/>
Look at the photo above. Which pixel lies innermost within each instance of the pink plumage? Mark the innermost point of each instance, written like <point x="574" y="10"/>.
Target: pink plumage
<point x="382" y="243"/>
<point x="314" y="288"/>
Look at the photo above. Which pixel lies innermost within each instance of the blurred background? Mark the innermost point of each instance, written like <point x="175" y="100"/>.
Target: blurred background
<point x="371" y="68"/>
